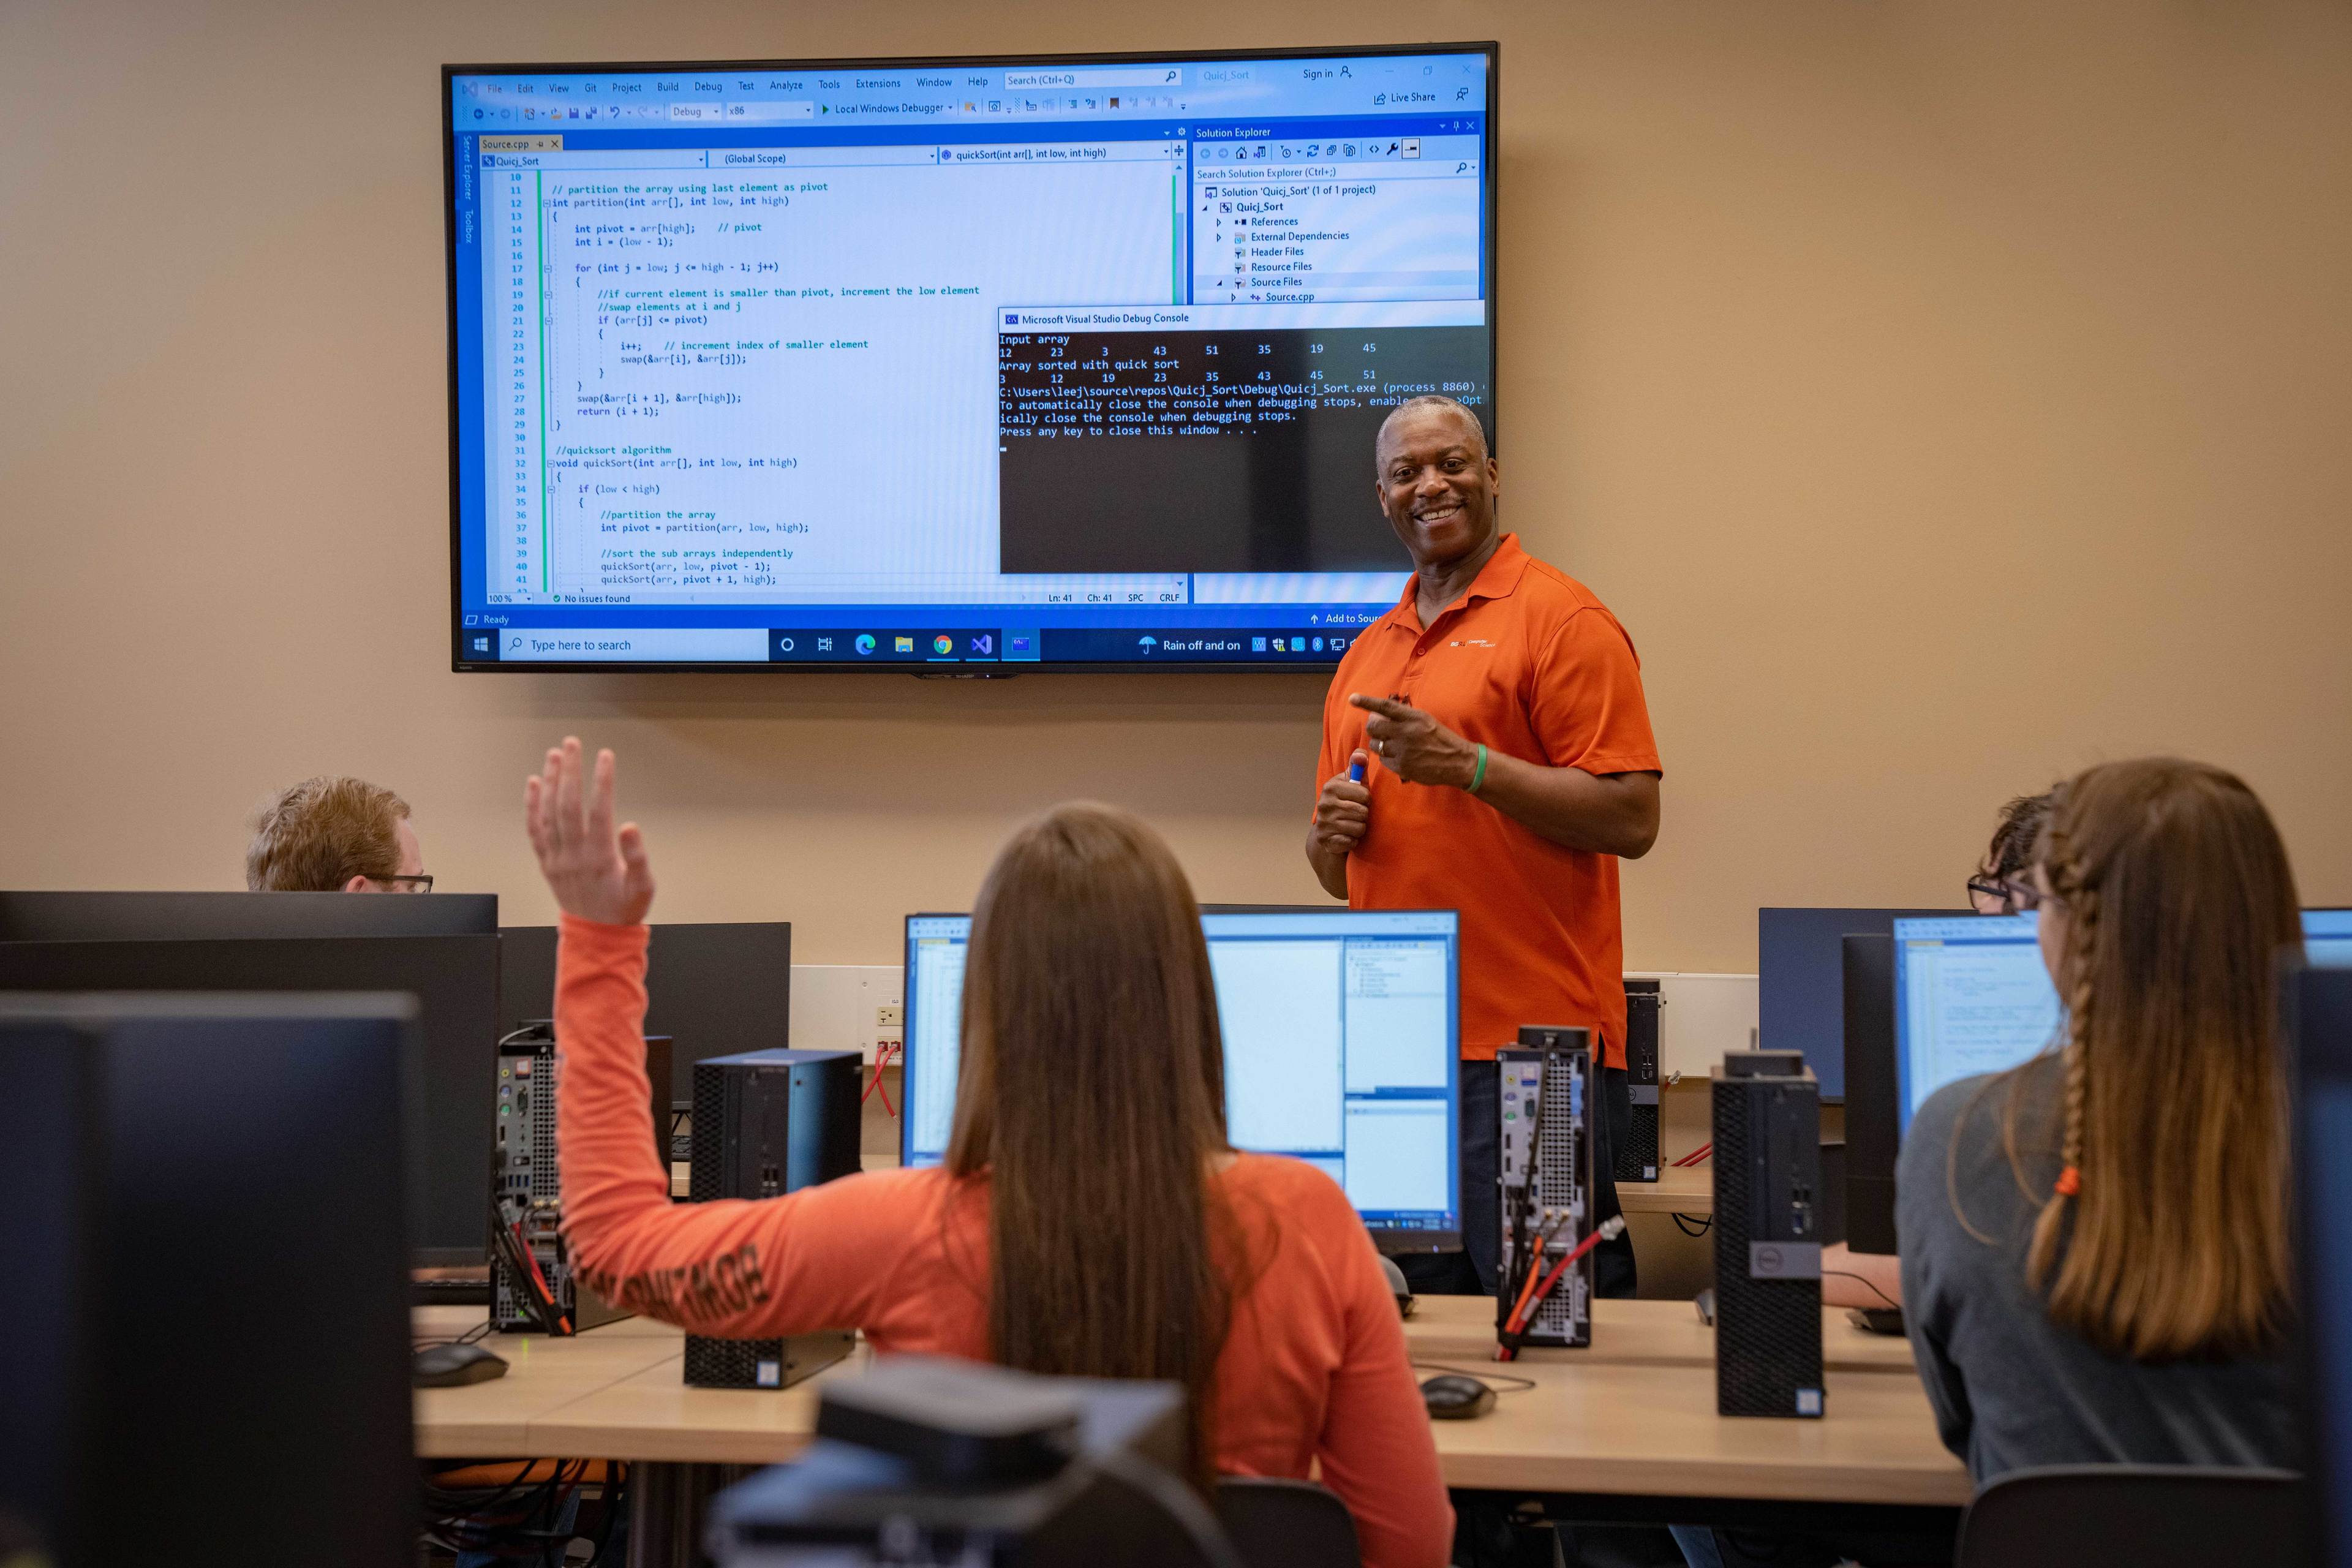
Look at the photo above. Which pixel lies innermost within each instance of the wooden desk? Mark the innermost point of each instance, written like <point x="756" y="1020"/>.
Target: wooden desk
<point x="1640" y="1425"/>
<point x="1618" y="1430"/>
<point x="1677" y="1190"/>
<point x="652" y="1414"/>
<point x="494" y="1420"/>
<point x="1460" y="1330"/>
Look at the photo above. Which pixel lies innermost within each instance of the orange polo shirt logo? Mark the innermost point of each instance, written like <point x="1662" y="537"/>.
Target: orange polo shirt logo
<point x="1531" y="664"/>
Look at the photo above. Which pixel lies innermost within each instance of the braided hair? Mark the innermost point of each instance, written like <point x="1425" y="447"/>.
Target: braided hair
<point x="2070" y="881"/>
<point x="2165" y="1235"/>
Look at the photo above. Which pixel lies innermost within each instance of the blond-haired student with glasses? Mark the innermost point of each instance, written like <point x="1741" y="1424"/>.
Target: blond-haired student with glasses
<point x="2096" y="1248"/>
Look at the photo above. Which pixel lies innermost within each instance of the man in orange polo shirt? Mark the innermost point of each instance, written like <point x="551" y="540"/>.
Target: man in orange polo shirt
<point x="1503" y="704"/>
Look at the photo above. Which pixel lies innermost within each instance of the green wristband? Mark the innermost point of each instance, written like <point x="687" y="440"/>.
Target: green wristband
<point x="1480" y="776"/>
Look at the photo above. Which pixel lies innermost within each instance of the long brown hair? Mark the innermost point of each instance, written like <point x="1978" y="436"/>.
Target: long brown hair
<point x="1092" y="1093"/>
<point x="2166" y="1237"/>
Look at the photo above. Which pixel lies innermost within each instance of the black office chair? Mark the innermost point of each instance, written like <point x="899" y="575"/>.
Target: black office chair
<point x="1287" y="1524"/>
<point x="2150" y="1516"/>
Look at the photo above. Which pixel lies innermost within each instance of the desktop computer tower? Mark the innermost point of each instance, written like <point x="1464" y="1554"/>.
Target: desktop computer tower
<point x="765" y="1123"/>
<point x="527" y="1188"/>
<point x="1644" y="1004"/>
<point x="1547" y="1110"/>
<point x="1768" y="1250"/>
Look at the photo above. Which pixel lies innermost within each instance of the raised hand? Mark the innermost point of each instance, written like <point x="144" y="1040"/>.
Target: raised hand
<point x="1415" y="746"/>
<point x="594" y="872"/>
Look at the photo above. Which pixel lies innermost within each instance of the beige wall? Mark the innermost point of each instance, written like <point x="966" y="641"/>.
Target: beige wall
<point x="1947" y="396"/>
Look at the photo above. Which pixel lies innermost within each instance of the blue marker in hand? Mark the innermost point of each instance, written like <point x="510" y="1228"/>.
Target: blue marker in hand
<point x="1356" y="771"/>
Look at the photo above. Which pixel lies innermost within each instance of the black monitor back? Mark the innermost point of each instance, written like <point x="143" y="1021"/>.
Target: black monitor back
<point x="1872" y="1131"/>
<point x="455" y="982"/>
<point x="211" y="1189"/>
<point x="2318" y="1022"/>
<point x="50" y="1175"/>
<point x="183" y="916"/>
<point x="1800" y="992"/>
<point x="716" y="990"/>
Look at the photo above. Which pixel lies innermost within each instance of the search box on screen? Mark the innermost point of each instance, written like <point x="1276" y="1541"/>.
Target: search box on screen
<point x="1139" y="76"/>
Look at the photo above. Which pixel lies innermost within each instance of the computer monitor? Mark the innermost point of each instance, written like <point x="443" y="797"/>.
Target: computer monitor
<point x="719" y="989"/>
<point x="1122" y="418"/>
<point x="1873" y="1123"/>
<point x="178" y="916"/>
<point x="1972" y="996"/>
<point x="1917" y="1018"/>
<point x="201" y="1207"/>
<point x="455" y="982"/>
<point x="1800" y="990"/>
<point x="1341" y="1034"/>
<point x="2318" y="1018"/>
<point x="2327" y="937"/>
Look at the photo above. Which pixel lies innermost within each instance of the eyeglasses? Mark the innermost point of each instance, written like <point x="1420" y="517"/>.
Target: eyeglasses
<point x="420" y="883"/>
<point x="2015" y="897"/>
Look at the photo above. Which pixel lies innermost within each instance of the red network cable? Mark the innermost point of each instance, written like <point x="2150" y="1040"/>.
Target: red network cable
<point x="882" y="1055"/>
<point x="1524" y="1313"/>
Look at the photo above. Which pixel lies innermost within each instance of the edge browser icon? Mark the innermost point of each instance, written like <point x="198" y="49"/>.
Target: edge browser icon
<point x="865" y="643"/>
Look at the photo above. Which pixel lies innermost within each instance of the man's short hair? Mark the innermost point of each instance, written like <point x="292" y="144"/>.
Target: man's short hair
<point x="316" y="836"/>
<point x="1431" y="402"/>
<point x="2017" y="840"/>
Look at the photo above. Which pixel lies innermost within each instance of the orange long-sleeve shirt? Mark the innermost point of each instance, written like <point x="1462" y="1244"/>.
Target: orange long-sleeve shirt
<point x="1313" y="1368"/>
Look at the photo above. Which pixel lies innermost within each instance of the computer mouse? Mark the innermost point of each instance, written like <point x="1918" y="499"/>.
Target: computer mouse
<point x="446" y="1366"/>
<point x="1452" y="1398"/>
<point x="1876" y="1320"/>
<point x="1405" y="1299"/>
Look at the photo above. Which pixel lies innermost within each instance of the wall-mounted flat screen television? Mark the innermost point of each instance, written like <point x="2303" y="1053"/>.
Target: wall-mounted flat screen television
<point x="955" y="367"/>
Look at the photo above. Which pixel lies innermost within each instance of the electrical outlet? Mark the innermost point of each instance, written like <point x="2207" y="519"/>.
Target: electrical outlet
<point x="890" y="1017"/>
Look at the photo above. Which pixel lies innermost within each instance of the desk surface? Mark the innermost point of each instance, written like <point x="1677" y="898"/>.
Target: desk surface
<point x="1651" y="1431"/>
<point x="493" y="1420"/>
<point x="1634" y="1415"/>
<point x="1679" y="1190"/>
<point x="1461" y="1330"/>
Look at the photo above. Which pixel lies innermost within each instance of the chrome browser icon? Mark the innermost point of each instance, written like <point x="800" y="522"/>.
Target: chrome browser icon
<point x="865" y="643"/>
<point x="943" y="645"/>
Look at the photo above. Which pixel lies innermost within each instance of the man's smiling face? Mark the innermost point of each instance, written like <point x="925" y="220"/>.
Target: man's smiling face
<point x="1437" y="484"/>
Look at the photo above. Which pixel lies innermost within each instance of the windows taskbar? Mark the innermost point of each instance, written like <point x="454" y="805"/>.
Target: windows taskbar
<point x="901" y="646"/>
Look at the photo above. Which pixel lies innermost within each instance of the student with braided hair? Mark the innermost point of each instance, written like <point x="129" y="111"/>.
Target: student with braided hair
<point x="2095" y="1255"/>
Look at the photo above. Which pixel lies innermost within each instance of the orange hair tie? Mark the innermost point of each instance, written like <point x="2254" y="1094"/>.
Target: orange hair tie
<point x="2069" y="1183"/>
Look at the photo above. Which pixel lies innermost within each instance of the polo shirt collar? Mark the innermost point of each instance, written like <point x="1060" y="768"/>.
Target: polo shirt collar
<point x="1499" y="579"/>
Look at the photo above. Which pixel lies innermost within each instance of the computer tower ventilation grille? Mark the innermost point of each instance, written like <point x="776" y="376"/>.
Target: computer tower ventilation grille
<point x="1767" y="1331"/>
<point x="707" y="1175"/>
<point x="734" y="1364"/>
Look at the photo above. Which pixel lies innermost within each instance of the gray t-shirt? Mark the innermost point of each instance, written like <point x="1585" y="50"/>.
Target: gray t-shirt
<point x="2010" y="1388"/>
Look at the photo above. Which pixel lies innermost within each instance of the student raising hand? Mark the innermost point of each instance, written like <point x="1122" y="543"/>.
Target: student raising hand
<point x="595" y="873"/>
